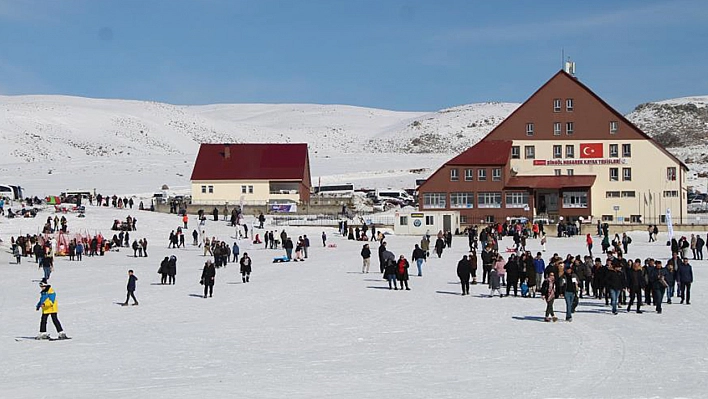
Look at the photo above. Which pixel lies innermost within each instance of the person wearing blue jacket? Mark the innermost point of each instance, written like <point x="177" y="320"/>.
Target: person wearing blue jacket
<point x="685" y="276"/>
<point x="48" y="304"/>
<point x="539" y="267"/>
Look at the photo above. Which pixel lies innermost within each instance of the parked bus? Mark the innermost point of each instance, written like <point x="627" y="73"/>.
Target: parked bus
<point x="335" y="190"/>
<point x="12" y="192"/>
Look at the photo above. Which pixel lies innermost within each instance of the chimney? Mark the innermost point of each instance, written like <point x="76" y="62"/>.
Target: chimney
<point x="227" y="152"/>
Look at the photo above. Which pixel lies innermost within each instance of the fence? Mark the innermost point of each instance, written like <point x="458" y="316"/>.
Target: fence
<point x="331" y="220"/>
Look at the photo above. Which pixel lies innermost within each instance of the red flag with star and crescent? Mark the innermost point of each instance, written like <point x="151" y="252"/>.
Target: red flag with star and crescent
<point x="591" y="150"/>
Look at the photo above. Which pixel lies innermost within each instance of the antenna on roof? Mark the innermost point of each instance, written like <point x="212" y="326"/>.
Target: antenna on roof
<point x="569" y="67"/>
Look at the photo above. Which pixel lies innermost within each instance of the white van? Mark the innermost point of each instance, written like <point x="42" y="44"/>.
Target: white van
<point x="400" y="195"/>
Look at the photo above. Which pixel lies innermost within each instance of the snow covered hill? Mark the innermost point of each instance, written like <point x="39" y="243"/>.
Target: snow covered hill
<point x="681" y="124"/>
<point x="94" y="141"/>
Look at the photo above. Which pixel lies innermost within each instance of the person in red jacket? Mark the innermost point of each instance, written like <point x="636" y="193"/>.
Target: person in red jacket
<point x="402" y="271"/>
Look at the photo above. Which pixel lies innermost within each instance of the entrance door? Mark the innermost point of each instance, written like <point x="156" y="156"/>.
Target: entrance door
<point x="547" y="202"/>
<point x="447" y="222"/>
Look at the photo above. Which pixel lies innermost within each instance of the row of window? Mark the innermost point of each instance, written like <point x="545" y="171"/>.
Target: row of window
<point x="626" y="174"/>
<point x="481" y="174"/>
<point x="569" y="104"/>
<point x="631" y="218"/>
<point x="244" y="189"/>
<point x="530" y="151"/>
<point x="493" y="199"/>
<point x="569" y="128"/>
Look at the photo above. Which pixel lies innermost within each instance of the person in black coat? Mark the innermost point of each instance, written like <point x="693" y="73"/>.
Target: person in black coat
<point x="245" y="267"/>
<point x="382" y="249"/>
<point x="464" y="270"/>
<point x="658" y="284"/>
<point x="512" y="274"/>
<point x="685" y="278"/>
<point x="635" y="280"/>
<point x="131" y="288"/>
<point x="439" y="246"/>
<point x="366" y="258"/>
<point x="700" y="243"/>
<point x="172" y="269"/>
<point x="208" y="277"/>
<point x="614" y="282"/>
<point x="163" y="270"/>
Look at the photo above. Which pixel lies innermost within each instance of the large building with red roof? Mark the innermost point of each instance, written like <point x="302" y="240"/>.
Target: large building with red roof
<point x="563" y="153"/>
<point x="253" y="174"/>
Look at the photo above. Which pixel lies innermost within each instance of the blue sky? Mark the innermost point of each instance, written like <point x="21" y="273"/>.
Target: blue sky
<point x="394" y="54"/>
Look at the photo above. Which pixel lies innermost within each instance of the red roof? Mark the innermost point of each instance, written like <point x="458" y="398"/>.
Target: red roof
<point x="552" y="182"/>
<point x="251" y="162"/>
<point x="485" y="152"/>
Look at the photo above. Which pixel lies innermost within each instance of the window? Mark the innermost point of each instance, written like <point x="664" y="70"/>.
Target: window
<point x="671" y="194"/>
<point x="557" y="151"/>
<point x="515" y="152"/>
<point x="211" y="189"/>
<point x="569" y="104"/>
<point x="489" y="200"/>
<point x="403" y="221"/>
<point x="482" y="174"/>
<point x="614" y="174"/>
<point x="570" y="151"/>
<point x="575" y="199"/>
<point x="529" y="129"/>
<point x="629" y="194"/>
<point x="454" y="174"/>
<point x="626" y="174"/>
<point x="671" y="173"/>
<point x="662" y="218"/>
<point x="496" y="174"/>
<point x="614" y="126"/>
<point x="557" y="172"/>
<point x="607" y="218"/>
<point x="635" y="218"/>
<point x="612" y="194"/>
<point x="569" y="128"/>
<point x="517" y="199"/>
<point x="556" y="105"/>
<point x="614" y="152"/>
<point x="434" y="200"/>
<point x="203" y="189"/>
<point x="461" y="200"/>
<point x="244" y="189"/>
<point x="626" y="150"/>
<point x="569" y="172"/>
<point x="469" y="174"/>
<point x="530" y="151"/>
<point x="429" y="220"/>
<point x="489" y="219"/>
<point x="556" y="128"/>
<point x="250" y="189"/>
<point x="463" y="219"/>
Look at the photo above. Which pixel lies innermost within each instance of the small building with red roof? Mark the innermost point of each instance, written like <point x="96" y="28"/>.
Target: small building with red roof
<point x="251" y="173"/>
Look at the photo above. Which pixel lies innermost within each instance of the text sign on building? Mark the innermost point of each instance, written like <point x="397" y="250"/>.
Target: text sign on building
<point x="567" y="162"/>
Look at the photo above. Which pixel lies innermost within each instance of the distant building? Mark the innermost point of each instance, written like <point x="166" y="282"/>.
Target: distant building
<point x="257" y="174"/>
<point x="563" y="153"/>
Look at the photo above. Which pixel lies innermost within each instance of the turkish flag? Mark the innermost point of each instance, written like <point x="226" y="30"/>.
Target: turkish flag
<point x="591" y="150"/>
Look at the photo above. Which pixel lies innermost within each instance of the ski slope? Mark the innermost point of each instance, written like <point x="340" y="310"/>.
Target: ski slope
<point x="321" y="329"/>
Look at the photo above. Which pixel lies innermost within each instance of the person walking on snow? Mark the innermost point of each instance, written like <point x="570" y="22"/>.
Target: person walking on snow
<point x="131" y="288"/>
<point x="245" y="268"/>
<point x="208" y="276"/>
<point x="48" y="304"/>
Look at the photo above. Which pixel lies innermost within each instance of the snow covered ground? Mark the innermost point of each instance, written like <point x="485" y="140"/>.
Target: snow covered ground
<point x="321" y="329"/>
